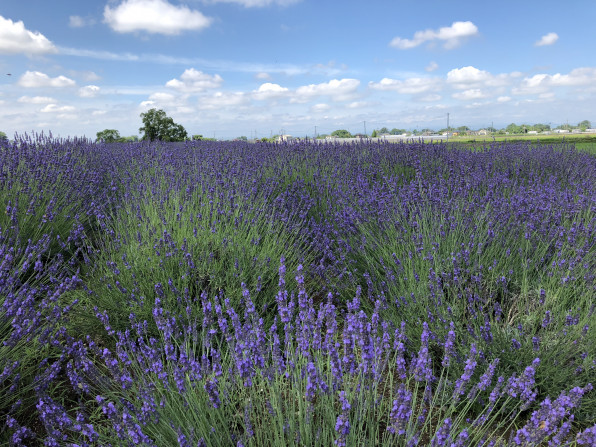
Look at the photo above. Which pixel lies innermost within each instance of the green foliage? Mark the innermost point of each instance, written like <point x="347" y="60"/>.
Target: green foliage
<point x="158" y="126"/>
<point x="341" y="133"/>
<point x="396" y="131"/>
<point x="3" y="138"/>
<point x="374" y="134"/>
<point x="108" y="136"/>
<point x="585" y="124"/>
<point x="383" y="130"/>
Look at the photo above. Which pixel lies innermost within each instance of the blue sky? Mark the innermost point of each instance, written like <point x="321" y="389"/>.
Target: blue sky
<point x="227" y="68"/>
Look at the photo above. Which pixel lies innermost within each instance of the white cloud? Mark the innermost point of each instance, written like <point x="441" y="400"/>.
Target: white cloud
<point x="263" y="76"/>
<point x="466" y="77"/>
<point x="79" y="22"/>
<point x="452" y="36"/>
<point x="319" y="108"/>
<point x="98" y="112"/>
<point x="432" y="66"/>
<point x="358" y="104"/>
<point x="467" y="95"/>
<point x="407" y="86"/>
<point x="258" y="3"/>
<point x="193" y="81"/>
<point x="76" y="22"/>
<point x="36" y="100"/>
<point x="270" y="91"/>
<point x="431" y="98"/>
<point x="222" y="99"/>
<point x="542" y="82"/>
<point x="54" y="108"/>
<point x="89" y="91"/>
<point x="35" y="79"/>
<point x="503" y="99"/>
<point x="16" y="39"/>
<point x="153" y="16"/>
<point x="336" y="89"/>
<point x="162" y="97"/>
<point x="547" y="39"/>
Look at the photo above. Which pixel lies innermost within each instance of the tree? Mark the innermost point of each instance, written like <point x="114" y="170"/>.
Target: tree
<point x="341" y="133"/>
<point x="585" y="124"/>
<point x="3" y="138"/>
<point x="383" y="130"/>
<point x="514" y="128"/>
<point x="108" y="136"/>
<point x="374" y="134"/>
<point x="395" y="131"/>
<point x="159" y="126"/>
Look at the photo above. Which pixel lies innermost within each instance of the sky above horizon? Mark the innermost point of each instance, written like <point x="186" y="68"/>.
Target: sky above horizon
<point x="227" y="68"/>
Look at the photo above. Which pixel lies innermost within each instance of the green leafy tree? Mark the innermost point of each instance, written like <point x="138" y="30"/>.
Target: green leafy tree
<point x="514" y="128"/>
<point x="3" y="138"/>
<point x="585" y="124"/>
<point x="341" y="133"/>
<point x="108" y="136"/>
<point x="383" y="130"/>
<point x="374" y="134"/>
<point x="197" y="137"/>
<point x="396" y="131"/>
<point x="159" y="126"/>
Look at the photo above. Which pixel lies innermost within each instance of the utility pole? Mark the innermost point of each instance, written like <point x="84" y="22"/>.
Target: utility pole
<point x="448" y="127"/>
<point x="315" y="132"/>
<point x="364" y="128"/>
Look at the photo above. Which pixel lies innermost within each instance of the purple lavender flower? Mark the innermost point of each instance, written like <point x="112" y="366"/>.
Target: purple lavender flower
<point x="461" y="383"/>
<point x="523" y="387"/>
<point x="449" y="346"/>
<point x="401" y="411"/>
<point x="422" y="366"/>
<point x="442" y="435"/>
<point x="342" y="425"/>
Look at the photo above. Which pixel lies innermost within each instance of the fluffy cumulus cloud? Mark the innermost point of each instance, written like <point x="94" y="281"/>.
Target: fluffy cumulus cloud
<point x="193" y="81"/>
<point x="270" y="91"/>
<point x="89" y="91"/>
<point x="467" y="77"/>
<point x="37" y="79"/>
<point x="16" y="39"/>
<point x="547" y="39"/>
<point x="153" y="16"/>
<point x="406" y="86"/>
<point x="36" y="100"/>
<point x="542" y="82"/>
<point x="451" y="36"/>
<point x="336" y="89"/>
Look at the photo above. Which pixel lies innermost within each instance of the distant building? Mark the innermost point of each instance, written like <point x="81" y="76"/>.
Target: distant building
<point x="532" y="132"/>
<point x="590" y="130"/>
<point x="561" y="131"/>
<point x="285" y="138"/>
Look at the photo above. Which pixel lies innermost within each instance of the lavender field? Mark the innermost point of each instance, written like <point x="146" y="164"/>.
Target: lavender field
<point x="296" y="294"/>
